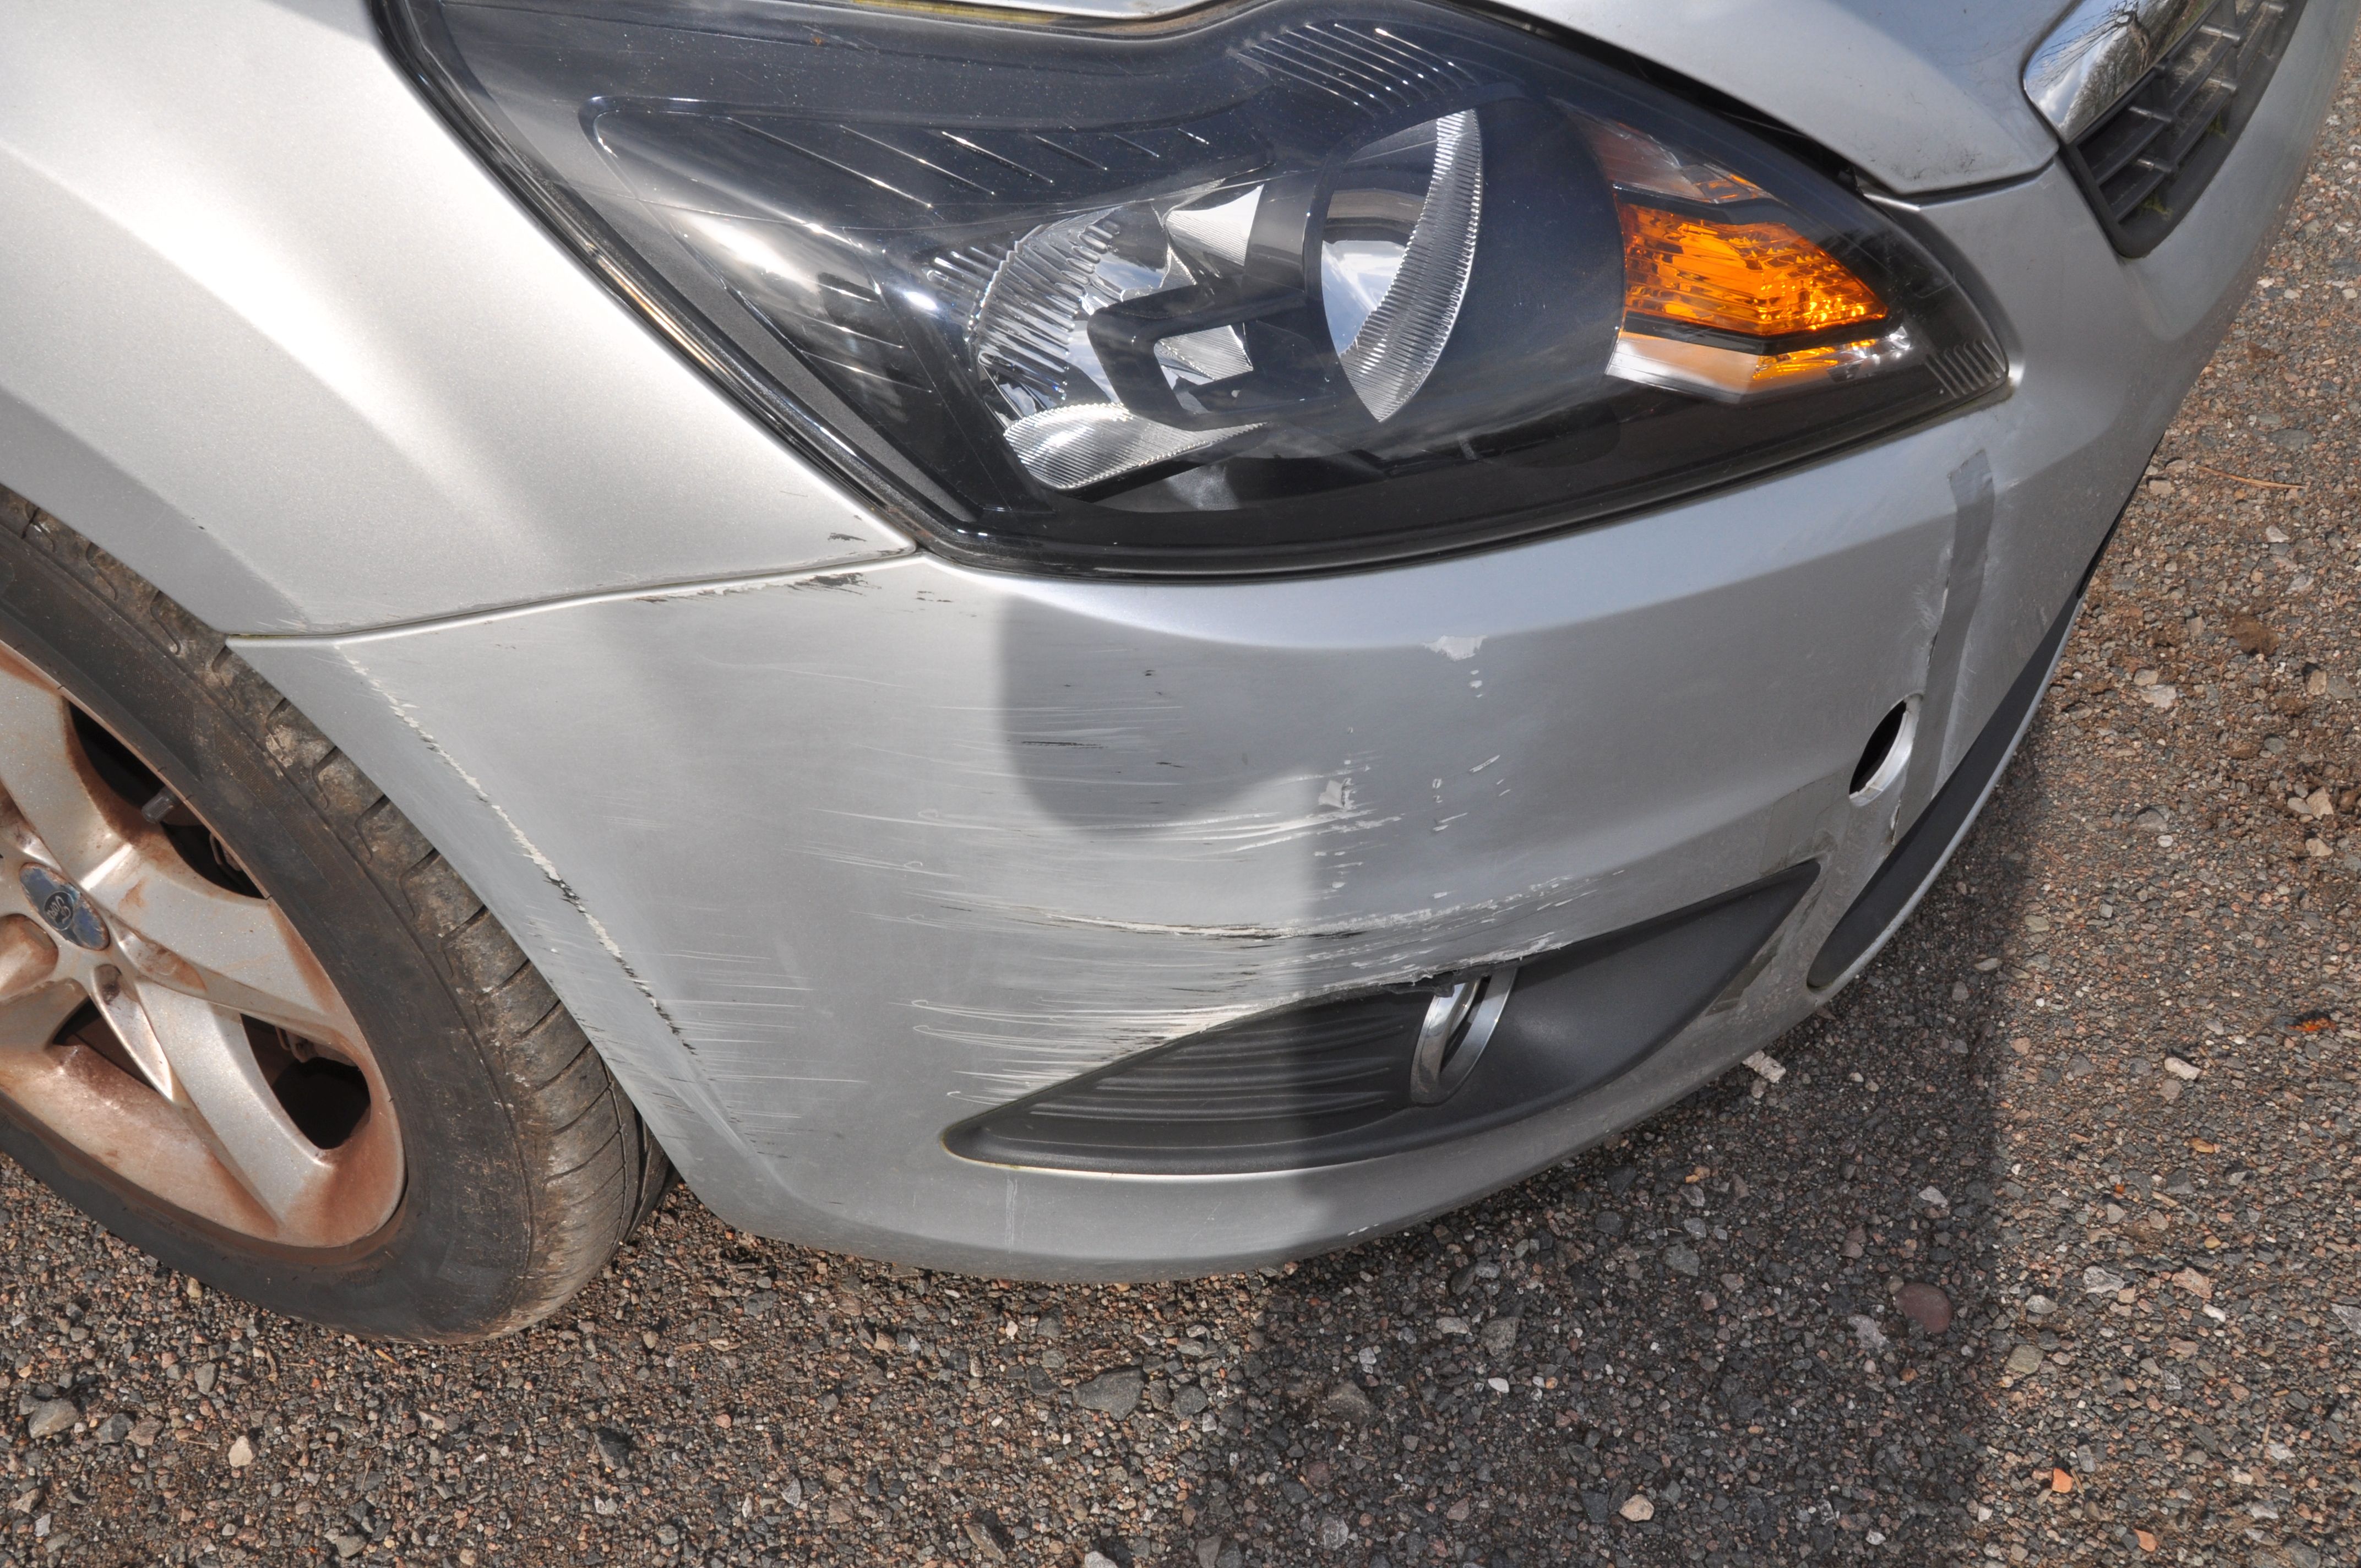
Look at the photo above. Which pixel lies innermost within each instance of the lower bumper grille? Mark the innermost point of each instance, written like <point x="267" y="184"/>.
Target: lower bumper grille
<point x="1333" y="1082"/>
<point x="2145" y="162"/>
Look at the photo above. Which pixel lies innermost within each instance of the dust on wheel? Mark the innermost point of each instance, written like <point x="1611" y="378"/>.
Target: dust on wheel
<point x="159" y="1014"/>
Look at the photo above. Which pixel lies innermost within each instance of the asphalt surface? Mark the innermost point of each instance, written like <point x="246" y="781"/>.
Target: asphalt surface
<point x="2042" y="1250"/>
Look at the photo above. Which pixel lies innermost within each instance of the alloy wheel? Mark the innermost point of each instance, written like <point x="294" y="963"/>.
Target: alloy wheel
<point x="159" y="1014"/>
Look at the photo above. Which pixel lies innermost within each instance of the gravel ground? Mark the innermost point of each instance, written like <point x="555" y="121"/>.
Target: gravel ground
<point x="2043" y="1249"/>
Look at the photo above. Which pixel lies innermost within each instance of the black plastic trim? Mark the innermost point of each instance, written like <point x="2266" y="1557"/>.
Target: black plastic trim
<point x="2145" y="162"/>
<point x="1327" y="1083"/>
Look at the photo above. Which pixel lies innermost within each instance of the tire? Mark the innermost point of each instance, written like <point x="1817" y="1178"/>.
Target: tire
<point x="508" y="1164"/>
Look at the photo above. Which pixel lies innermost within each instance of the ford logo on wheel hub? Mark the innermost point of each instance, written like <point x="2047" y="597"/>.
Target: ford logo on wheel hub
<point x="63" y="907"/>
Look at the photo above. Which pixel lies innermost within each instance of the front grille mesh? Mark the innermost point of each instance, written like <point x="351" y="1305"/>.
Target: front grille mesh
<point x="2145" y="162"/>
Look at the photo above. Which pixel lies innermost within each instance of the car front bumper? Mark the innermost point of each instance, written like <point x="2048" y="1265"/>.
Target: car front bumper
<point x="827" y="863"/>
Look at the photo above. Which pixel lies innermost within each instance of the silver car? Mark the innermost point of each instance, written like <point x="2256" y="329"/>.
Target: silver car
<point x="1094" y="639"/>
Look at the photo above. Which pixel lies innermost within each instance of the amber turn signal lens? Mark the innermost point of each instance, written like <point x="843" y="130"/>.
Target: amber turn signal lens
<point x="1761" y="279"/>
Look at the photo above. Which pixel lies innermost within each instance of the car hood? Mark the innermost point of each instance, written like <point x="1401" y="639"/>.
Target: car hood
<point x="1921" y="94"/>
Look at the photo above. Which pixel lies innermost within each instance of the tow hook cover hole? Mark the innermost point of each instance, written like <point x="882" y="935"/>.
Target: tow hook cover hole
<point x="1887" y="753"/>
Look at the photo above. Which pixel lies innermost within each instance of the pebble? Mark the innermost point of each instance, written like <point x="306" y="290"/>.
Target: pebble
<point x="2186" y="1071"/>
<point x="241" y="1453"/>
<point x="2024" y="1360"/>
<point x="2098" y="1281"/>
<point x="1637" y="1508"/>
<point x="1348" y="1402"/>
<point x="1925" y="1305"/>
<point x="1499" y="1336"/>
<point x="51" y="1417"/>
<point x="614" y="1447"/>
<point x="1115" y="1393"/>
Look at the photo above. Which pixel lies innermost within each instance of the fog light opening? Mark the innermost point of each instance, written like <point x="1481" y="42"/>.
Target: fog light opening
<point x="1887" y="753"/>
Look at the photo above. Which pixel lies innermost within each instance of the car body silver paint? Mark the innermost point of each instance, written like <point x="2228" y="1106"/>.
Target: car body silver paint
<point x="274" y="338"/>
<point x="827" y="862"/>
<point x="1920" y="98"/>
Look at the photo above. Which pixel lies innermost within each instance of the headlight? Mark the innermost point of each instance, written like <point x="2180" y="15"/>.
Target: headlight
<point x="1265" y="286"/>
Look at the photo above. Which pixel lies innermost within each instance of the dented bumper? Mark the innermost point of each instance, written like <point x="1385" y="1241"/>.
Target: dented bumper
<point x="829" y="864"/>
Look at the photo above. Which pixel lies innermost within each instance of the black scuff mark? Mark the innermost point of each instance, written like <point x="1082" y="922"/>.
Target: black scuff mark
<point x="541" y="862"/>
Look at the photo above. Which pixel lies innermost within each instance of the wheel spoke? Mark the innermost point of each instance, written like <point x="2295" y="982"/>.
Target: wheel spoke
<point x="29" y="960"/>
<point x="212" y="1078"/>
<point x="182" y="932"/>
<point x="79" y="820"/>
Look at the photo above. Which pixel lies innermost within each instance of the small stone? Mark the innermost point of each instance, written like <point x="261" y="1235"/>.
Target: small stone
<point x="1458" y="1327"/>
<point x="206" y="1375"/>
<point x="2024" y="1360"/>
<point x="2098" y="1281"/>
<point x="1499" y="1336"/>
<point x="1933" y="1198"/>
<point x="1097" y="1559"/>
<point x="2183" y="1070"/>
<point x="145" y="1432"/>
<point x="1333" y="1534"/>
<point x="2037" y="922"/>
<point x="2040" y="1306"/>
<point x="1766" y="1067"/>
<point x="1925" y="1305"/>
<point x="1114" y="1393"/>
<point x="1348" y="1402"/>
<point x="115" y="1429"/>
<point x="1865" y="1329"/>
<point x="241" y="1453"/>
<point x="1683" y="1260"/>
<point x="1637" y="1508"/>
<point x="2253" y="636"/>
<point x="2349" y="1316"/>
<point x="347" y="1546"/>
<point x="2196" y="1284"/>
<point x="2161" y="696"/>
<point x="51" y="1417"/>
<point x="614" y="1447"/>
<point x="1189" y="1403"/>
<point x="2144" y="677"/>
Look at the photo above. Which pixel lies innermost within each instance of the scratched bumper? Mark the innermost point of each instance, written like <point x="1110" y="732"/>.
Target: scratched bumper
<point x="830" y="864"/>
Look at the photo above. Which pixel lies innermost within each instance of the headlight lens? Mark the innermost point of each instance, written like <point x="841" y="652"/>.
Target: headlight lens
<point x="1266" y="287"/>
